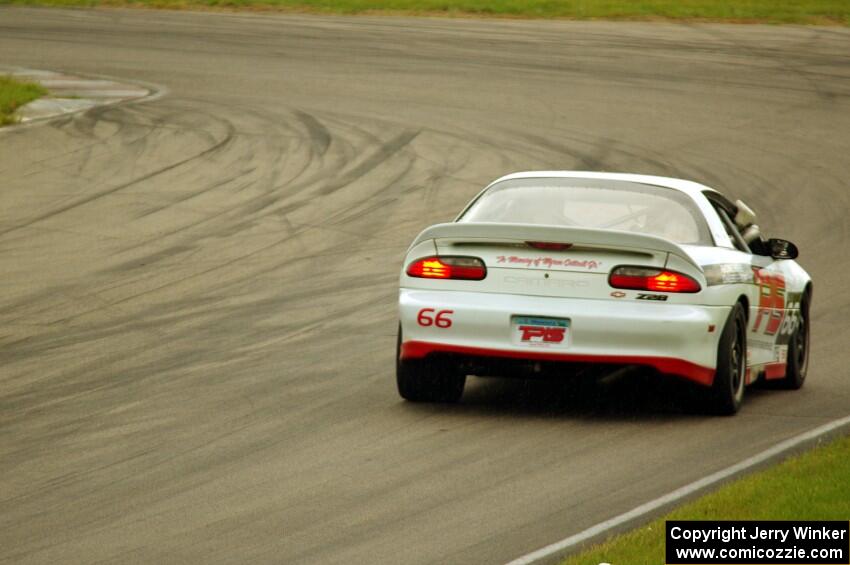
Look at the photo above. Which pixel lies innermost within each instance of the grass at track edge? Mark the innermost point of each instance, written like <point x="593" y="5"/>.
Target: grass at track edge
<point x="806" y="12"/>
<point x="13" y="95"/>
<point x="812" y="486"/>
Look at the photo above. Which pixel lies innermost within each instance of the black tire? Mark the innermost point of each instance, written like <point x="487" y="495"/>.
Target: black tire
<point x="798" y="351"/>
<point x="427" y="380"/>
<point x="727" y="391"/>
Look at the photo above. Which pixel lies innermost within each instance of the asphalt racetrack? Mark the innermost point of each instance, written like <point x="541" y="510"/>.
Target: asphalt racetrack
<point x="198" y="293"/>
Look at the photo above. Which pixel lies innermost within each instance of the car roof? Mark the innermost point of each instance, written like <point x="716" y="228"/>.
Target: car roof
<point x="690" y="188"/>
<point x="696" y="191"/>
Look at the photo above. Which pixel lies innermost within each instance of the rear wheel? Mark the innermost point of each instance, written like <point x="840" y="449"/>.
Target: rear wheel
<point x="427" y="380"/>
<point x="727" y="391"/>
<point x="798" y="351"/>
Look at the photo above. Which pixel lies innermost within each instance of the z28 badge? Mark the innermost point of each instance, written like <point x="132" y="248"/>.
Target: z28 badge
<point x="661" y="297"/>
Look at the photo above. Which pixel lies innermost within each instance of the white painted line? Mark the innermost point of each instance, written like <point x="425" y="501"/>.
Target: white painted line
<point x="679" y="493"/>
<point x="155" y="91"/>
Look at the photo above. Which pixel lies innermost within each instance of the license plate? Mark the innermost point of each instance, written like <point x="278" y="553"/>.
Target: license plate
<point x="535" y="331"/>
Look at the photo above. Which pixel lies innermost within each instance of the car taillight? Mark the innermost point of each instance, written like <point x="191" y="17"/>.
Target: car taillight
<point x="647" y="278"/>
<point x="448" y="267"/>
<point x="548" y="245"/>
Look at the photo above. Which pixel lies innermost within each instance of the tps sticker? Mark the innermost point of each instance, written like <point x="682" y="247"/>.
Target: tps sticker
<point x="540" y="332"/>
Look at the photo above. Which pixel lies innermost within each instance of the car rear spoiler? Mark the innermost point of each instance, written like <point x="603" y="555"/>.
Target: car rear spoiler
<point x="584" y="237"/>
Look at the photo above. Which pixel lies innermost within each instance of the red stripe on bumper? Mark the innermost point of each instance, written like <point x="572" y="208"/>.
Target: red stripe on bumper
<point x="668" y="365"/>
<point x="774" y="370"/>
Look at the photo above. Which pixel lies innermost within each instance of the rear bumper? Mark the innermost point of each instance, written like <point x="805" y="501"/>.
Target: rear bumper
<point x="671" y="338"/>
<point x="680" y="367"/>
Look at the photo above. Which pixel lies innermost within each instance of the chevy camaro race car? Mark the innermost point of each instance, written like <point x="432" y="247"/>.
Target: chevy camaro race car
<point x="548" y="272"/>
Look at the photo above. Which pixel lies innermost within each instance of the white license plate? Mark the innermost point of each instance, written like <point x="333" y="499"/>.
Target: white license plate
<point x="536" y="331"/>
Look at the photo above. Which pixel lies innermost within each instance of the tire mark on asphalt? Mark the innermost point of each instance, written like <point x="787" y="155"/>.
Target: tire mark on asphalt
<point x="319" y="134"/>
<point x="386" y="151"/>
<point x="89" y="199"/>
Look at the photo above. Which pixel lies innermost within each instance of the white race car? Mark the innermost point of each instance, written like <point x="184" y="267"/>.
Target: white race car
<point x="544" y="272"/>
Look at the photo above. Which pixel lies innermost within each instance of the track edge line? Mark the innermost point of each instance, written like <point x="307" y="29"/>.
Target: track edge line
<point x="560" y="548"/>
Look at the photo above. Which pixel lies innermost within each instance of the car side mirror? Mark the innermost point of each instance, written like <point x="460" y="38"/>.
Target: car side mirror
<point x="782" y="249"/>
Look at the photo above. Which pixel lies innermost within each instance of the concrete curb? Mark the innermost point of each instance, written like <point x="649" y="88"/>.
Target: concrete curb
<point x="71" y="93"/>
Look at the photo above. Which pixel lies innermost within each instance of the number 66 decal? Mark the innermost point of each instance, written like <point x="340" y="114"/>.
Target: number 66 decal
<point x="441" y="319"/>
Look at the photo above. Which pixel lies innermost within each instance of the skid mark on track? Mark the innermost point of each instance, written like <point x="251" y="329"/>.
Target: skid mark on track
<point x="147" y="176"/>
<point x="383" y="153"/>
<point x="319" y="134"/>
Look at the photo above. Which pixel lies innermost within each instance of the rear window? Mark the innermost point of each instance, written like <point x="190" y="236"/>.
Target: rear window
<point x="593" y="203"/>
